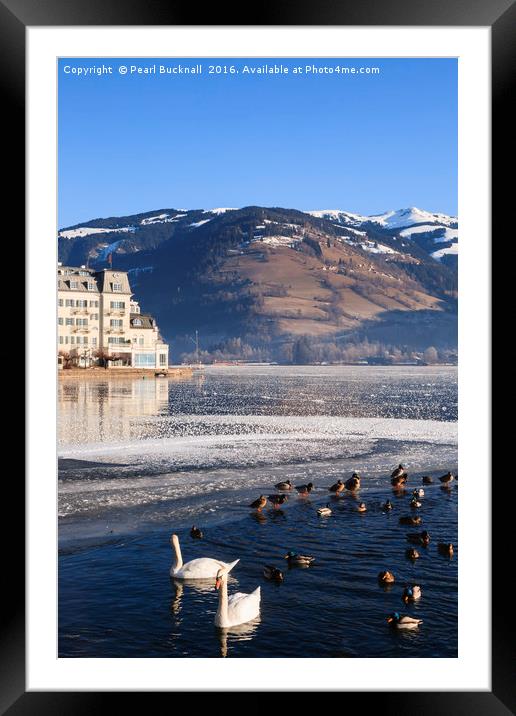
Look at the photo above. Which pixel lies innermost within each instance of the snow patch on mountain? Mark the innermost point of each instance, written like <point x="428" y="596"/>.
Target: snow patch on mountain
<point x="373" y="248"/>
<point x="88" y="230"/>
<point x="199" y="223"/>
<point x="217" y="211"/>
<point x="161" y="219"/>
<point x="447" y="234"/>
<point x="452" y="250"/>
<point x="277" y="240"/>
<point x="342" y="217"/>
<point x="153" y="219"/>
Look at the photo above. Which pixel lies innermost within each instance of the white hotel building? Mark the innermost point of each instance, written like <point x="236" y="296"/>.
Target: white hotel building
<point x="98" y="321"/>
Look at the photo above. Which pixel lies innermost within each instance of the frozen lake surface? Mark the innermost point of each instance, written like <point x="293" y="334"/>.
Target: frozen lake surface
<point x="142" y="458"/>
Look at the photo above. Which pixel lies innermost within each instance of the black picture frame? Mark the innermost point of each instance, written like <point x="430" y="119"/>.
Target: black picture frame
<point x="15" y="17"/>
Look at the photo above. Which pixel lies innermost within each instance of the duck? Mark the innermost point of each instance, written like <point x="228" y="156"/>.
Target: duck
<point x="422" y="538"/>
<point x="353" y="483"/>
<point x="201" y="568"/>
<point x="305" y="489"/>
<point x="337" y="487"/>
<point x="287" y="485"/>
<point x="259" y="504"/>
<point x="410" y="520"/>
<point x="398" y="480"/>
<point x="277" y="500"/>
<point x="410" y="594"/>
<point x="418" y="492"/>
<point x="445" y="479"/>
<point x="414" y="503"/>
<point x="300" y="560"/>
<point x="402" y="621"/>
<point x="386" y="577"/>
<point x="362" y="507"/>
<point x="445" y="548"/>
<point x="272" y="573"/>
<point x="412" y="553"/>
<point x="239" y="608"/>
<point x="196" y="533"/>
<point x="399" y="472"/>
<point x="427" y="480"/>
<point x="324" y="511"/>
<point x="387" y="506"/>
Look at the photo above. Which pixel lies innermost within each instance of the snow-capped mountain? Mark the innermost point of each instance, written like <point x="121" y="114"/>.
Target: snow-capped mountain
<point x="423" y="227"/>
<point x="390" y="219"/>
<point x="268" y="274"/>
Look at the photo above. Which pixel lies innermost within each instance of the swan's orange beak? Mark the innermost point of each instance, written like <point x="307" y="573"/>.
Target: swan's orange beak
<point x="217" y="583"/>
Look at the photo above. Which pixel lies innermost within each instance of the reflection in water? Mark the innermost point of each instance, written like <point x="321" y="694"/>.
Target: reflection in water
<point x="96" y="411"/>
<point x="199" y="586"/>
<point x="242" y="632"/>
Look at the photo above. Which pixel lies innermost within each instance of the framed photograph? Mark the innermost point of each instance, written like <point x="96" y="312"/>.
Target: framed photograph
<point x="255" y="354"/>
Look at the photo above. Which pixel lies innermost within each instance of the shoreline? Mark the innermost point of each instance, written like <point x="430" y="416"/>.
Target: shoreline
<point x="81" y="373"/>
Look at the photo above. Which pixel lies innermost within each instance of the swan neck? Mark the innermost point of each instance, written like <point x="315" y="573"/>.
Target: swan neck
<point x="179" y="557"/>
<point x="222" y="611"/>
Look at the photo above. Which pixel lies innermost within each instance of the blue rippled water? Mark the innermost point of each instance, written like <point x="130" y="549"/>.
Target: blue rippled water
<point x="140" y="459"/>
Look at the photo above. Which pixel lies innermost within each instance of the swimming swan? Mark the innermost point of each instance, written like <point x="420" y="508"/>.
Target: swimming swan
<point x="237" y="609"/>
<point x="201" y="568"/>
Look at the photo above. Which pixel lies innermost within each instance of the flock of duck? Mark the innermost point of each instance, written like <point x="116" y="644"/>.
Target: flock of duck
<point x="239" y="608"/>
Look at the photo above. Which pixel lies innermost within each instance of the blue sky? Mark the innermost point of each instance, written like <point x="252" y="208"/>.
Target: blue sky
<point x="364" y="143"/>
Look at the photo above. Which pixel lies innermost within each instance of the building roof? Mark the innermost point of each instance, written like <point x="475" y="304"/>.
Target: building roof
<point x="64" y="282"/>
<point x="107" y="277"/>
<point x="147" y="321"/>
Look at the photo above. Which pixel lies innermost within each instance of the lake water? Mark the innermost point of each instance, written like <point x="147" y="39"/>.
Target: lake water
<point x="142" y="458"/>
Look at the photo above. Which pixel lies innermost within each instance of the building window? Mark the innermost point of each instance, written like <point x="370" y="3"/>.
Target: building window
<point x="60" y="302"/>
<point x="135" y="339"/>
<point x="83" y="273"/>
<point x="82" y="303"/>
<point x="116" y="339"/>
<point x="117" y="304"/>
<point x="66" y="339"/>
<point x="141" y="340"/>
<point x="94" y="341"/>
<point x="61" y="339"/>
<point x="117" y="287"/>
<point x="72" y="339"/>
<point x="70" y="321"/>
<point x="162" y="358"/>
<point x="60" y="321"/>
<point x="145" y="360"/>
<point x="70" y="302"/>
<point x="74" y="284"/>
<point x="91" y="286"/>
<point x="82" y="321"/>
<point x="137" y="322"/>
<point x="116" y="323"/>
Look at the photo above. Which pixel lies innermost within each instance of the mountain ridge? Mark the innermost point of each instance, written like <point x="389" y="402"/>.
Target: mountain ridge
<point x="269" y="275"/>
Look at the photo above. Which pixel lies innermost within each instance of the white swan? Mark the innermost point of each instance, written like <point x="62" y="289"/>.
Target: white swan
<point x="202" y="568"/>
<point x="237" y="609"/>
